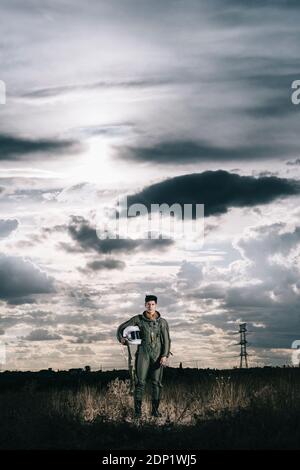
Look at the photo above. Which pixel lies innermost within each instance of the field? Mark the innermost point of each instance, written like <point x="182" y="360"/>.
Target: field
<point x="255" y="408"/>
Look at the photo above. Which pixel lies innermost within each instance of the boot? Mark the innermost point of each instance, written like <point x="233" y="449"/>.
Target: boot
<point x="138" y="408"/>
<point x="155" y="412"/>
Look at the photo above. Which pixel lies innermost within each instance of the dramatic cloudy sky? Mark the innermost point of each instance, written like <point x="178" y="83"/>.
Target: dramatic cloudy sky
<point x="175" y="101"/>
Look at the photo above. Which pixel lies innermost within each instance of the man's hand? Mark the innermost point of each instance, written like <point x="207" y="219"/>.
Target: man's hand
<point x="163" y="361"/>
<point x="124" y="341"/>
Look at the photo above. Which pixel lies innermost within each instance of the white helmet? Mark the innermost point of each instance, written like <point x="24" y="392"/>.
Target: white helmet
<point x="132" y="334"/>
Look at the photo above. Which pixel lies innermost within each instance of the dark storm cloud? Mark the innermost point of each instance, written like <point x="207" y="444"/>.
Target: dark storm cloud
<point x="62" y="90"/>
<point x="185" y="151"/>
<point x="99" y="265"/>
<point x="15" y="148"/>
<point x="41" y="335"/>
<point x="177" y="152"/>
<point x="86" y="337"/>
<point x="19" y="277"/>
<point x="213" y="291"/>
<point x="86" y="237"/>
<point x="217" y="190"/>
<point x="7" y="227"/>
<point x="21" y="301"/>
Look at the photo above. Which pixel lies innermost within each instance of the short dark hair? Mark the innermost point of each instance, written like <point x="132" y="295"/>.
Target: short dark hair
<point x="150" y="297"/>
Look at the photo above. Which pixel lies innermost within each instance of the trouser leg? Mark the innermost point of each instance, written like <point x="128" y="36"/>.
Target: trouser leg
<point x="141" y="371"/>
<point x="156" y="378"/>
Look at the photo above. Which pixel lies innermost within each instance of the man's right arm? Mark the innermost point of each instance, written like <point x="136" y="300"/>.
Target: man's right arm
<point x="166" y="339"/>
<point x="131" y="322"/>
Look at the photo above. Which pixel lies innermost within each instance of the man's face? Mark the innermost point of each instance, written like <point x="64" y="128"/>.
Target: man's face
<point x="150" y="306"/>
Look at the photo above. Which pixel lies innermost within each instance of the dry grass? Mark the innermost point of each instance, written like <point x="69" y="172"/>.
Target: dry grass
<point x="180" y="405"/>
<point x="219" y="411"/>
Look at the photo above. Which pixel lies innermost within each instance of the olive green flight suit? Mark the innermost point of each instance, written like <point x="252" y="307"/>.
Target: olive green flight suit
<point x="155" y="344"/>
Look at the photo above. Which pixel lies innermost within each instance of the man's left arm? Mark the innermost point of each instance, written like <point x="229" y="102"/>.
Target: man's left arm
<point x="166" y="341"/>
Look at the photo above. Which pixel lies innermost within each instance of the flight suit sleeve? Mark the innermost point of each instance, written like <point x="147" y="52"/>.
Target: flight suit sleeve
<point x="166" y="340"/>
<point x="131" y="322"/>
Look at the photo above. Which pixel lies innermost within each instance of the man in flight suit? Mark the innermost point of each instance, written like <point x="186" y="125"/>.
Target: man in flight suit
<point x="151" y="354"/>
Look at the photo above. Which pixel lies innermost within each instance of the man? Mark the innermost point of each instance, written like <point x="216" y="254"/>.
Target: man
<point x="151" y="354"/>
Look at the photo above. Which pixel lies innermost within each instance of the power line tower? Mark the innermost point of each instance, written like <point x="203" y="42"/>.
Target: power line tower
<point x="243" y="342"/>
